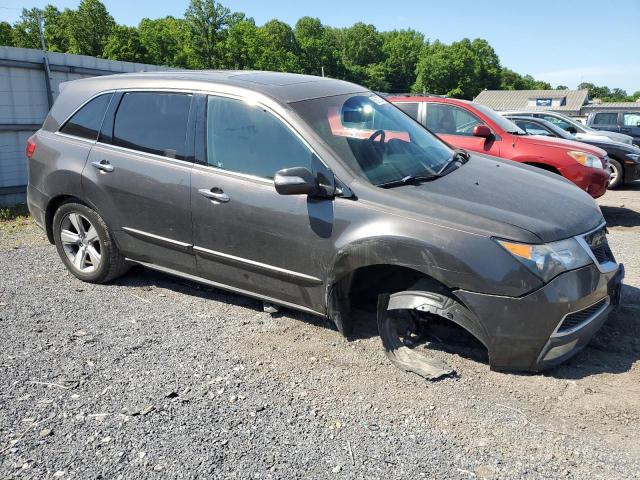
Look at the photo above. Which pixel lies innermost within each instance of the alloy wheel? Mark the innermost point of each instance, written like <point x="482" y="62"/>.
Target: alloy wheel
<point x="81" y="242"/>
<point x="613" y="171"/>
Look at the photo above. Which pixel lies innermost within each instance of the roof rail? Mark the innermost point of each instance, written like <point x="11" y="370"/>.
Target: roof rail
<point x="413" y="95"/>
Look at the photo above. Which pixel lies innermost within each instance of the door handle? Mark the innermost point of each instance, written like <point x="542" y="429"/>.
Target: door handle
<point x="215" y="195"/>
<point x="103" y="166"/>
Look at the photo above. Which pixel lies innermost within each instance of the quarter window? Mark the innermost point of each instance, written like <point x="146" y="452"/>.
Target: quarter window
<point x="247" y="139"/>
<point x="410" y="108"/>
<point x="153" y="122"/>
<point x="605" y="119"/>
<point x="86" y="122"/>
<point x="451" y="120"/>
<point x="631" y="119"/>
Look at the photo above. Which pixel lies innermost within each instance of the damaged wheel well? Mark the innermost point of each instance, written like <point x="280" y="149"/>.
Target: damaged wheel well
<point x="361" y="288"/>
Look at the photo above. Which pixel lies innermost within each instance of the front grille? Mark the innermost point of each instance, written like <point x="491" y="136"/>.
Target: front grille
<point x="597" y="242"/>
<point x="574" y="319"/>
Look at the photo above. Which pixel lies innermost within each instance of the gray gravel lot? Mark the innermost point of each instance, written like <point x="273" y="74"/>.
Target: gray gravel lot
<point x="154" y="377"/>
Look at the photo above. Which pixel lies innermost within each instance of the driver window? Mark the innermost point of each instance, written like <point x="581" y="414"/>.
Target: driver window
<point x="248" y="139"/>
<point x="451" y="120"/>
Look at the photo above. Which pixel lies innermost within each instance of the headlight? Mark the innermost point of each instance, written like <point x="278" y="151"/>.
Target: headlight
<point x="586" y="159"/>
<point x="551" y="259"/>
<point x="634" y="156"/>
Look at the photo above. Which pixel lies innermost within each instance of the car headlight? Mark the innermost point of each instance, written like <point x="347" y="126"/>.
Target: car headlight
<point x="550" y="259"/>
<point x="634" y="156"/>
<point x="586" y="159"/>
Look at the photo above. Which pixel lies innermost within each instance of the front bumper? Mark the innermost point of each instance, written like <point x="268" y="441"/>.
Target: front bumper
<point x="522" y="333"/>
<point x="631" y="171"/>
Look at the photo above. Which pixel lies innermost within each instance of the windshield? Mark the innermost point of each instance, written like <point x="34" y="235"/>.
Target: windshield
<point x="567" y="120"/>
<point x="504" y="123"/>
<point x="376" y="139"/>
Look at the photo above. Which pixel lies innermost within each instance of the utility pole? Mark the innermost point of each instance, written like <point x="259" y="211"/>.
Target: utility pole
<point x="45" y="60"/>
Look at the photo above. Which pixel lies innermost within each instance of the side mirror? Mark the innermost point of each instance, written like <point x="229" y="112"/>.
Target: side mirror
<point x="295" y="181"/>
<point x="481" y="131"/>
<point x="572" y="130"/>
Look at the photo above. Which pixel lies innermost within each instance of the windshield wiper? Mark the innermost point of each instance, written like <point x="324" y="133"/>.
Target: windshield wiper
<point x="408" y="180"/>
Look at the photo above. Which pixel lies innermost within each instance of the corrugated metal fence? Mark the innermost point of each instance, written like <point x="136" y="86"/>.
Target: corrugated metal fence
<point x="27" y="87"/>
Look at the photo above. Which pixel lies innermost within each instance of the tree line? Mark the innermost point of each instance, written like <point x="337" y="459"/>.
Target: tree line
<point x="211" y="36"/>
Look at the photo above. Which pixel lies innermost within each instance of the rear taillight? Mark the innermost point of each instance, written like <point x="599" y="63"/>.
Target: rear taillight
<point x="31" y="147"/>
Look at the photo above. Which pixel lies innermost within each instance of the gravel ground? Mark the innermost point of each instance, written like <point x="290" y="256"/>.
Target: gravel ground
<point x="154" y="377"/>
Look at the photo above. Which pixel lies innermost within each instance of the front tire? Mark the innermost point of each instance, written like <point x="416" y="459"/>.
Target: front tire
<point x="617" y="174"/>
<point x="86" y="245"/>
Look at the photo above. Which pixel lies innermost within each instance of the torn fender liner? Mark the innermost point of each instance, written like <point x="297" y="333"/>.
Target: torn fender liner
<point x="401" y="356"/>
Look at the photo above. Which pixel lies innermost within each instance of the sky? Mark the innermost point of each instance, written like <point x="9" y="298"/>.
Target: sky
<point x="561" y="42"/>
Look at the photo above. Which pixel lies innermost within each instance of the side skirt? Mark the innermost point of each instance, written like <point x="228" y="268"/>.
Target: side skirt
<point x="222" y="286"/>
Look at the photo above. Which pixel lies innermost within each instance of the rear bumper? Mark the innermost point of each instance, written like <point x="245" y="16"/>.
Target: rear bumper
<point x="37" y="203"/>
<point x="522" y="333"/>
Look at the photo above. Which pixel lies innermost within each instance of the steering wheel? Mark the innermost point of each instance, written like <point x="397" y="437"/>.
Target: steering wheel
<point x="376" y="134"/>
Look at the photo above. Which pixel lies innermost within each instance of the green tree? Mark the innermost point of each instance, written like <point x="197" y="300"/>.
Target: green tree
<point x="124" y="44"/>
<point x="487" y="67"/>
<point x="89" y="28"/>
<point x="318" y="47"/>
<point x="242" y="47"/>
<point x="207" y="21"/>
<point x="56" y="28"/>
<point x="166" y="41"/>
<point x="280" y="49"/>
<point x="402" y="50"/>
<point x="360" y="47"/>
<point x="6" y="34"/>
<point x="562" y="87"/>
<point x="25" y="31"/>
<point x="595" y="91"/>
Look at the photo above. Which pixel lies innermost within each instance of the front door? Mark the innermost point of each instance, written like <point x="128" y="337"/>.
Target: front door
<point x="455" y="125"/>
<point x="246" y="236"/>
<point x="138" y="177"/>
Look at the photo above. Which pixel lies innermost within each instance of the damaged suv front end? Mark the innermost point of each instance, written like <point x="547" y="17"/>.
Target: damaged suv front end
<point x="516" y="256"/>
<point x="547" y="326"/>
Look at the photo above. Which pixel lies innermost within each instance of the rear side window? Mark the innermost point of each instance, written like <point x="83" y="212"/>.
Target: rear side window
<point x="86" y="122"/>
<point x="631" y="119"/>
<point x="605" y="119"/>
<point x="247" y="139"/>
<point x="153" y="122"/>
<point x="410" y="108"/>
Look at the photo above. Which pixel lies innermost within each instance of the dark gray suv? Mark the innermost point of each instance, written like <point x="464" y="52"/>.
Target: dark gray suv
<point x="319" y="195"/>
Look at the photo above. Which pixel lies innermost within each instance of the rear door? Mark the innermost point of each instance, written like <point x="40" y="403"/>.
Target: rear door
<point x="246" y="236"/>
<point x="138" y="176"/>
<point x="631" y="125"/>
<point x="455" y="124"/>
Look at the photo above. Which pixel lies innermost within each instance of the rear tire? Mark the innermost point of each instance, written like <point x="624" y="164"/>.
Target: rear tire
<point x="617" y="174"/>
<point x="86" y="245"/>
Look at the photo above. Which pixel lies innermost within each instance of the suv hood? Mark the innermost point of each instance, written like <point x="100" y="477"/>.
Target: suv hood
<point x="561" y="143"/>
<point x="501" y="198"/>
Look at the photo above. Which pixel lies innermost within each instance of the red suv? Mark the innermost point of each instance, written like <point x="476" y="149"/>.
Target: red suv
<point x="472" y="126"/>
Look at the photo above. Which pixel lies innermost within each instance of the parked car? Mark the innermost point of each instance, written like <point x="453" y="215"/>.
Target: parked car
<point x="626" y="122"/>
<point x="624" y="160"/>
<point x="580" y="130"/>
<point x="478" y="128"/>
<point x="319" y="195"/>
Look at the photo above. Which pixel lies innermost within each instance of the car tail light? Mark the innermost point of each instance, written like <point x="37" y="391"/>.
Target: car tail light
<point x="31" y="147"/>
